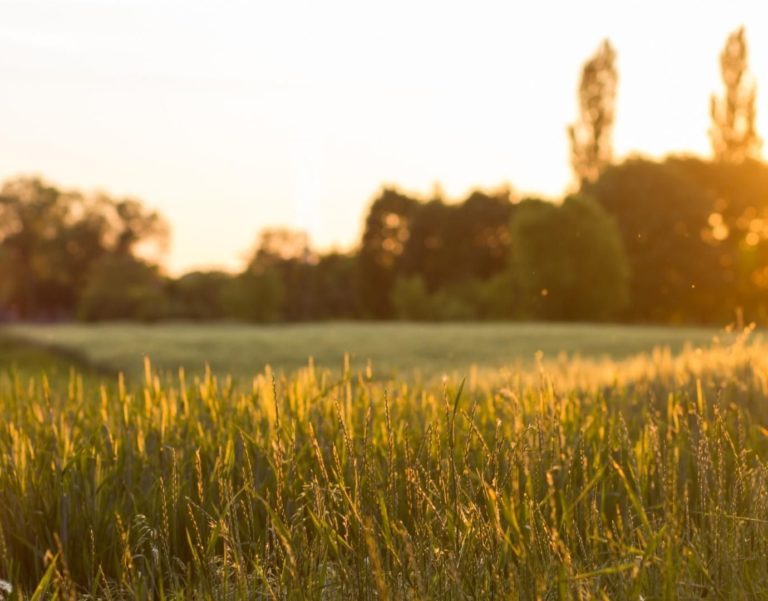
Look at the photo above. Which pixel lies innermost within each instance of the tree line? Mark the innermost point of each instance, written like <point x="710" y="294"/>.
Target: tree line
<point x="680" y="240"/>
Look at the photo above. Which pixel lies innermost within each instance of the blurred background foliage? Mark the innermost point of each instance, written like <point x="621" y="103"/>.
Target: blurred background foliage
<point x="683" y="239"/>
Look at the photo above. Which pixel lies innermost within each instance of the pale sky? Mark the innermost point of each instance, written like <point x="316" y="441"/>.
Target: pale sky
<point x="232" y="116"/>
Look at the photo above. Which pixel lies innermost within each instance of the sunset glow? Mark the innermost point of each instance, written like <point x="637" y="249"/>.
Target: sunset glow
<point x="232" y="116"/>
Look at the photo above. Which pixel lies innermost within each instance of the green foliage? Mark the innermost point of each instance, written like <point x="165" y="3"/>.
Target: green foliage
<point x="448" y="244"/>
<point x="387" y="229"/>
<point x="50" y="240"/>
<point x="254" y="297"/>
<point x="695" y="234"/>
<point x="497" y="297"/>
<point x="448" y="305"/>
<point x="122" y="287"/>
<point x="411" y="299"/>
<point x="335" y="287"/>
<point x="311" y="286"/>
<point x="737" y="228"/>
<point x="481" y="236"/>
<point x="198" y="295"/>
<point x="568" y="260"/>
<point x="645" y="479"/>
<point x="34" y="227"/>
<point x="663" y="217"/>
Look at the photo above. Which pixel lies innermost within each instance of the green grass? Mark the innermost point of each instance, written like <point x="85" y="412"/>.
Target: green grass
<point x="642" y="478"/>
<point x="25" y="358"/>
<point x="392" y="348"/>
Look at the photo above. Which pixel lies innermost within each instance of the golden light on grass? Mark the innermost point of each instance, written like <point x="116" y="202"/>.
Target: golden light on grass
<point x="581" y="476"/>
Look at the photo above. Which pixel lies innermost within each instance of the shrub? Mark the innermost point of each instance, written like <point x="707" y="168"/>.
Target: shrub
<point x="123" y="287"/>
<point x="254" y="296"/>
<point x="568" y="260"/>
<point x="411" y="299"/>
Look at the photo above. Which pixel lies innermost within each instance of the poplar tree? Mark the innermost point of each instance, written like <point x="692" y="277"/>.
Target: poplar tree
<point x="591" y="135"/>
<point x="733" y="134"/>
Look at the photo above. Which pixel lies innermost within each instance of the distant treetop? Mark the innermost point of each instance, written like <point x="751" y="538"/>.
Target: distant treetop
<point x="733" y="134"/>
<point x="591" y="135"/>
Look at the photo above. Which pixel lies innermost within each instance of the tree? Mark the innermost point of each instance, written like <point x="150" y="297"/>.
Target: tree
<point x="733" y="134"/>
<point x="411" y="300"/>
<point x="568" y="260"/>
<point x="663" y="217"/>
<point x="430" y="250"/>
<point x="737" y="229"/>
<point x="285" y="254"/>
<point x="452" y="243"/>
<point x="254" y="296"/>
<point x="387" y="230"/>
<point x="591" y="135"/>
<point x="282" y="244"/>
<point x="485" y="218"/>
<point x="50" y="239"/>
<point x="197" y="295"/>
<point x="334" y="282"/>
<point x="450" y="246"/>
<point x="123" y="287"/>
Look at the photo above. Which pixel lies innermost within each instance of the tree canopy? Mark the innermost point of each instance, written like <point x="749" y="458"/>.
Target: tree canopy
<point x="50" y="239"/>
<point x="682" y="239"/>
<point x="569" y="260"/>
<point x="591" y="136"/>
<point x="733" y="133"/>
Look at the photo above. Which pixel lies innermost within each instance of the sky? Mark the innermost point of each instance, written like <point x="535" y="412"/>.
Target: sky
<point x="231" y="116"/>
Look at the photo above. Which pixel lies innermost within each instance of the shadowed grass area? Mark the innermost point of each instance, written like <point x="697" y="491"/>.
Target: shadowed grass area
<point x="596" y="480"/>
<point x="24" y="358"/>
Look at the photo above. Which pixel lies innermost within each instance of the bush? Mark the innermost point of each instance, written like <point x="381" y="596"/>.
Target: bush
<point x="123" y="287"/>
<point x="197" y="295"/>
<point x="449" y="305"/>
<point x="568" y="260"/>
<point x="254" y="297"/>
<point x="410" y="299"/>
<point x="494" y="298"/>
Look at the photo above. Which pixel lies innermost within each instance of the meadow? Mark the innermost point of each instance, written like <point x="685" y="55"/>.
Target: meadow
<point x="394" y="349"/>
<point x="641" y="477"/>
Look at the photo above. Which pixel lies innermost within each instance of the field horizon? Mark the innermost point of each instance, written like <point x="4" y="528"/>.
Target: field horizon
<point x="392" y="348"/>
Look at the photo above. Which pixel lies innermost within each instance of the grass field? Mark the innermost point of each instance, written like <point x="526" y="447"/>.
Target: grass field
<point x="639" y="478"/>
<point x="392" y="348"/>
<point x="644" y="477"/>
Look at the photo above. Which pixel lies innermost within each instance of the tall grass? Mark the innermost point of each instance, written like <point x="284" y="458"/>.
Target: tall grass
<point x="640" y="479"/>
